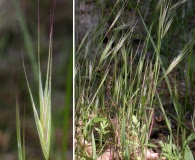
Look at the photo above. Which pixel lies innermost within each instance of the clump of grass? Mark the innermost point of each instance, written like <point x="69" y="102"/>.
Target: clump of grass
<point x="118" y="87"/>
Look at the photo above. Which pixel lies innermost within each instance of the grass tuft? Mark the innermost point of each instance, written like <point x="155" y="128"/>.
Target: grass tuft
<point x="118" y="92"/>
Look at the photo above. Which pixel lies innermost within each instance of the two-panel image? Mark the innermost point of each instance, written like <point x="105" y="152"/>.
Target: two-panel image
<point x="97" y="80"/>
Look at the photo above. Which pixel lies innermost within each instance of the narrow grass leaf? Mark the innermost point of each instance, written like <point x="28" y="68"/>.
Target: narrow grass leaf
<point x="21" y="154"/>
<point x="190" y="138"/>
<point x="97" y="91"/>
<point x="93" y="146"/>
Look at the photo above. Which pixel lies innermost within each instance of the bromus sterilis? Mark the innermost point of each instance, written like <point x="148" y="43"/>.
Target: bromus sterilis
<point x="43" y="118"/>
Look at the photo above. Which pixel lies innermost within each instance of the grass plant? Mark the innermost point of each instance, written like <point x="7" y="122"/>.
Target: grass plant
<point x="117" y="91"/>
<point x="43" y="117"/>
<point x="43" y="122"/>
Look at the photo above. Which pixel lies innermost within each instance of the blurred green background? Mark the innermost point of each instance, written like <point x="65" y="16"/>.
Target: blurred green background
<point x="18" y="33"/>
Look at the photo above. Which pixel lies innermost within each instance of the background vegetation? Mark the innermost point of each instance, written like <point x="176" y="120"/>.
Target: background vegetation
<point x="135" y="80"/>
